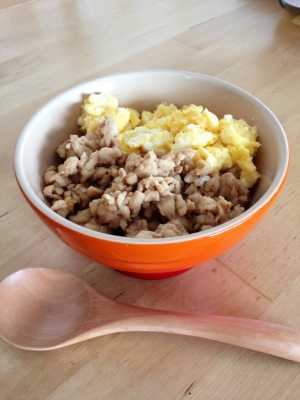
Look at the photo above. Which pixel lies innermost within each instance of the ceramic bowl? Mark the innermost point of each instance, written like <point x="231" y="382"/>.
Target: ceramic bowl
<point x="151" y="258"/>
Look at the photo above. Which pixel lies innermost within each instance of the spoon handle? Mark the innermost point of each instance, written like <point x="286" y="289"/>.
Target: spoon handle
<point x="256" y="335"/>
<point x="265" y="337"/>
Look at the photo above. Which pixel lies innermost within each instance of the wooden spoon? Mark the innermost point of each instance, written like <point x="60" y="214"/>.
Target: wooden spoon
<point x="44" y="309"/>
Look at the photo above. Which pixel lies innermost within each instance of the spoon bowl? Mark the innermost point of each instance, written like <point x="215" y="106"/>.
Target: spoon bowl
<point x="44" y="309"/>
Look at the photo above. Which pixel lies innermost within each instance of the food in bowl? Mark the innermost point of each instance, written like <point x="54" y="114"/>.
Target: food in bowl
<point x="153" y="258"/>
<point x="163" y="173"/>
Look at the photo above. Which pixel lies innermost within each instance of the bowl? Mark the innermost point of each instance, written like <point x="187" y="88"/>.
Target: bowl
<point x="164" y="257"/>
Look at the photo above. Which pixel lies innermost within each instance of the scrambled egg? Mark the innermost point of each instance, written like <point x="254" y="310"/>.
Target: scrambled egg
<point x="97" y="106"/>
<point x="221" y="143"/>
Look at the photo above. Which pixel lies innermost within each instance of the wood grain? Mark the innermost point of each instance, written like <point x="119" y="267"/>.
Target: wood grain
<point x="47" y="47"/>
<point x="7" y="4"/>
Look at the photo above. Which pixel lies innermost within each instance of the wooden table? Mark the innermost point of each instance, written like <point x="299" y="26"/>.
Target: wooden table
<point x="48" y="46"/>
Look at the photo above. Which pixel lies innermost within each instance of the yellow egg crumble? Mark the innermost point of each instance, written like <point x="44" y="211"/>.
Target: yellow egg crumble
<point x="222" y="143"/>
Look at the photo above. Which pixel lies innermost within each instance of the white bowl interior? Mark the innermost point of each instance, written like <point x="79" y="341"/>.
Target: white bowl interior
<point x="143" y="90"/>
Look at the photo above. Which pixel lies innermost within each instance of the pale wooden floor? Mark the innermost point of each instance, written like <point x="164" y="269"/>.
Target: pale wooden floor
<point x="47" y="47"/>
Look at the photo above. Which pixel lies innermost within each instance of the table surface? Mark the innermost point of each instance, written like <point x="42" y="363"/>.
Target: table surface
<point x="48" y="46"/>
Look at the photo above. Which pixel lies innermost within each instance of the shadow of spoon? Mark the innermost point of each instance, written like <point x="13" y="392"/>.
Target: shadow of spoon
<point x="44" y="309"/>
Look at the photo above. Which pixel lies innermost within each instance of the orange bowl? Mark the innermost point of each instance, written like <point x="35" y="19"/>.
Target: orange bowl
<point x="151" y="258"/>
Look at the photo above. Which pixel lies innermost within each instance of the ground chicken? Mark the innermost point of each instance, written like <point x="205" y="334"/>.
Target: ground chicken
<point x="104" y="136"/>
<point x="154" y="195"/>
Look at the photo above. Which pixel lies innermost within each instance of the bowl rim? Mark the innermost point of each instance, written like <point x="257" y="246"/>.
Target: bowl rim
<point x="44" y="208"/>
